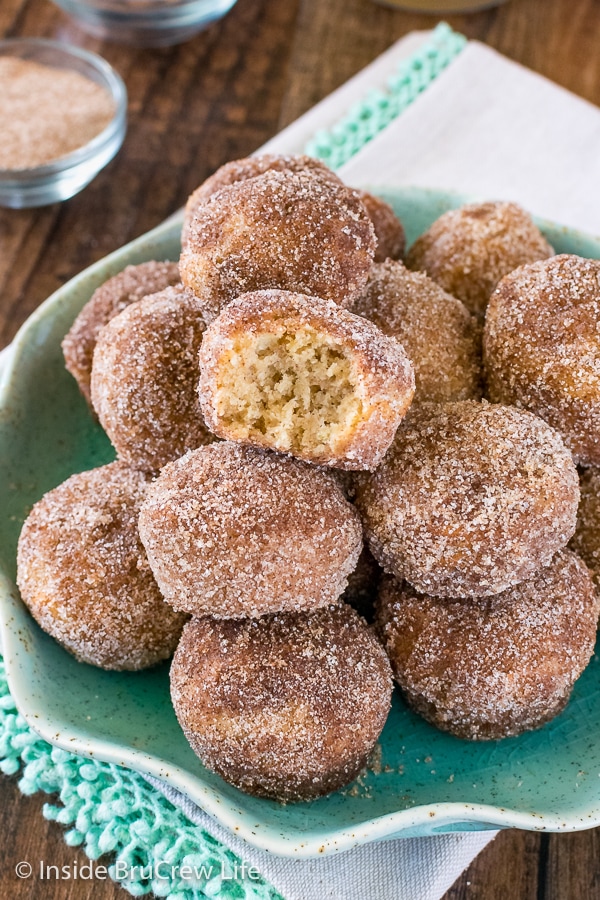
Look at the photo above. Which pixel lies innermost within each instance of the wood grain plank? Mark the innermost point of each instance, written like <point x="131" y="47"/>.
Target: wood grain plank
<point x="573" y="866"/>
<point x="555" y="38"/>
<point x="506" y="868"/>
<point x="28" y="837"/>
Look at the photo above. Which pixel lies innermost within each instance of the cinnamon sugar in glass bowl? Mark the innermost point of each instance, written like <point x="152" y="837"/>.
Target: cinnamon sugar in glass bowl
<point x="145" y="23"/>
<point x="64" y="113"/>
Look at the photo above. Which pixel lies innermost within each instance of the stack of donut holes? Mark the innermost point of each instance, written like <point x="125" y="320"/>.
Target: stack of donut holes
<point x="313" y="494"/>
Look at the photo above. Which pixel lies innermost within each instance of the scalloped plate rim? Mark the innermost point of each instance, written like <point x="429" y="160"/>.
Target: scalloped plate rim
<point x="388" y="826"/>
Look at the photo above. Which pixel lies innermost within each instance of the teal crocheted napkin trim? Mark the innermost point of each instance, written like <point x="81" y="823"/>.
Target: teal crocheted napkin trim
<point x="110" y="810"/>
<point x="337" y="145"/>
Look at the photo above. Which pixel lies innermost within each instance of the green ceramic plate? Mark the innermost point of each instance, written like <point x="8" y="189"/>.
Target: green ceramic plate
<point x="428" y="782"/>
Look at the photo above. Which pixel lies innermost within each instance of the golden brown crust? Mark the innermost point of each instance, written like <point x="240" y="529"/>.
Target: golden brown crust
<point x="376" y="367"/>
<point x="84" y="575"/>
<point x="144" y="379"/>
<point x="492" y="669"/>
<point x="542" y="347"/>
<point x="441" y="338"/>
<point x="232" y="531"/>
<point x="249" y="167"/>
<point x="294" y="231"/>
<point x="107" y="301"/>
<point x="471" y="499"/>
<point x="389" y="230"/>
<point x="287" y="706"/>
<point x="468" y="250"/>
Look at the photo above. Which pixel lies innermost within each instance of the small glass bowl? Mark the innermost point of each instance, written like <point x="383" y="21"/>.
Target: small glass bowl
<point x="145" y="23"/>
<point x="66" y="176"/>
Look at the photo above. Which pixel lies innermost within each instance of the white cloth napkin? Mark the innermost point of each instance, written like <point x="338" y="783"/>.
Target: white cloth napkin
<point x="493" y="130"/>
<point x="404" y="869"/>
<point x="486" y="127"/>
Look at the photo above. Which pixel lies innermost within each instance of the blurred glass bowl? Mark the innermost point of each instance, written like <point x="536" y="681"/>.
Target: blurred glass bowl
<point x="145" y="23"/>
<point x="67" y="175"/>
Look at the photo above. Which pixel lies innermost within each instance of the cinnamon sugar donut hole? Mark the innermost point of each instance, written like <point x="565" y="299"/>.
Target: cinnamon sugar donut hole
<point x="287" y="706"/>
<point x="144" y="379"/>
<point x="542" y="347"/>
<point x="468" y="250"/>
<point x="488" y="670"/>
<point x="389" y="230"/>
<point x="107" y="301"/>
<point x="84" y="575"/>
<point x="232" y="531"/>
<point x="294" y="231"/>
<point x="586" y="540"/>
<point x="441" y="338"/>
<point x="471" y="499"/>
<point x="249" y="167"/>
<point x="303" y="376"/>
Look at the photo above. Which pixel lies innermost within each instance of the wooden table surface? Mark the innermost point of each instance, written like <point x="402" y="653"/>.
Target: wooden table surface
<point x="192" y="108"/>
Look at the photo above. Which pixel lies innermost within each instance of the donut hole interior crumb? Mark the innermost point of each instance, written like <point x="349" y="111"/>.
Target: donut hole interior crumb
<point x="295" y="391"/>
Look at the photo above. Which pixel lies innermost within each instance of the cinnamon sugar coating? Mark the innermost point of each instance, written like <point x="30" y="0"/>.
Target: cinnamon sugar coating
<point x="471" y="499"/>
<point x="542" y="347"/>
<point x="303" y="376"/>
<point x="233" y="532"/>
<point x="295" y="231"/>
<point x="286" y="706"/>
<point x="84" y="575"/>
<point x="250" y="167"/>
<point x="107" y="301"/>
<point x="492" y="669"/>
<point x="389" y="230"/>
<point x="468" y="250"/>
<point x="586" y="540"/>
<point x="441" y="338"/>
<point x="144" y="379"/>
